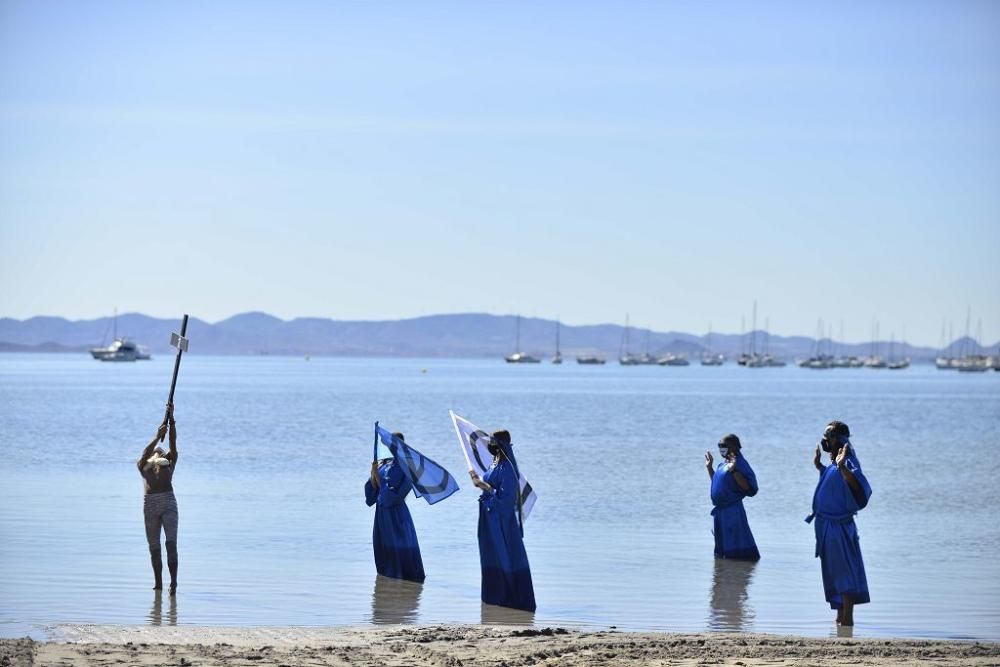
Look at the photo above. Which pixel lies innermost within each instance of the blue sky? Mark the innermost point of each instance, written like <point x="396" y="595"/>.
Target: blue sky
<point x="581" y="160"/>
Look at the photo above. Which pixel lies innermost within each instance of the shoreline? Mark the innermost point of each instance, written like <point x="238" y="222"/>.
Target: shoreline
<point x="469" y="645"/>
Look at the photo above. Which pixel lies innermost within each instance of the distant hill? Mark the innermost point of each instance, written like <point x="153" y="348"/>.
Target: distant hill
<point x="459" y="335"/>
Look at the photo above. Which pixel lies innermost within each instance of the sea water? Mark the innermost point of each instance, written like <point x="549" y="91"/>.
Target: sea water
<point x="274" y="452"/>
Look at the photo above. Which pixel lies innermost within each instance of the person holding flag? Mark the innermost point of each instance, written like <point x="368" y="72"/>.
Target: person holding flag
<point x="841" y="492"/>
<point x="396" y="470"/>
<point x="159" y="506"/>
<point x="731" y="482"/>
<point x="506" y="576"/>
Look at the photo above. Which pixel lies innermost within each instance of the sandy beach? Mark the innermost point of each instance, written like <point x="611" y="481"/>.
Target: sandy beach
<point x="455" y="646"/>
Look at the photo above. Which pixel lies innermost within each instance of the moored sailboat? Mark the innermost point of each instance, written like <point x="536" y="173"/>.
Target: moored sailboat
<point x="520" y="357"/>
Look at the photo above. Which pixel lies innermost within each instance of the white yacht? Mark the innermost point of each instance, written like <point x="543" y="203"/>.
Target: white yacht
<point x="671" y="359"/>
<point x="122" y="349"/>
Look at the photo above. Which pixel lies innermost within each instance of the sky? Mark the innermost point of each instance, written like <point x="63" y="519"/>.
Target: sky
<point x="675" y="161"/>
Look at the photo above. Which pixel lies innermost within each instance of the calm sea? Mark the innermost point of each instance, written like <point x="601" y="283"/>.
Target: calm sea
<point x="274" y="529"/>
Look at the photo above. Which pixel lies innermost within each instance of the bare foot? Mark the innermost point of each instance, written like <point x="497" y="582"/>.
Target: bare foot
<point x="173" y="589"/>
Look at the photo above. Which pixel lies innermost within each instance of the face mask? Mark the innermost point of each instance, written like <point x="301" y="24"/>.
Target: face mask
<point x="723" y="451"/>
<point x="831" y="445"/>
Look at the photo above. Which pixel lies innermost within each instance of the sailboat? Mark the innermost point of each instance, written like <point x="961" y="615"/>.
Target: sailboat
<point x="557" y="357"/>
<point x="760" y="360"/>
<point x="975" y="361"/>
<point x="520" y="357"/>
<point x="626" y="358"/>
<point x="894" y="363"/>
<point x="646" y="359"/>
<point x="708" y="358"/>
<point x="875" y="361"/>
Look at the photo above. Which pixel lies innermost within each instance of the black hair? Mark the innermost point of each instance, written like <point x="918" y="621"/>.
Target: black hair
<point x="837" y="431"/>
<point x="398" y="436"/>
<point x="498" y="441"/>
<point x="730" y="441"/>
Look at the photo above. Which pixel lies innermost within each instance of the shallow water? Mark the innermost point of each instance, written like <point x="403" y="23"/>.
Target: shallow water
<point x="274" y="529"/>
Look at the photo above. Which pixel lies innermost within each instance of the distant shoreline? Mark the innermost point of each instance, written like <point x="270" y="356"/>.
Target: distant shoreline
<point x="457" y="335"/>
<point x="470" y="645"/>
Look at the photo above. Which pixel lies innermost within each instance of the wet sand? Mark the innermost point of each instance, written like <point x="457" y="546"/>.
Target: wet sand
<point x="456" y="645"/>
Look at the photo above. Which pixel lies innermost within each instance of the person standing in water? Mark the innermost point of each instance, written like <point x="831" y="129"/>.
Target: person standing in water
<point x="506" y="576"/>
<point x="159" y="506"/>
<point x="842" y="491"/>
<point x="731" y="482"/>
<point x="394" y="538"/>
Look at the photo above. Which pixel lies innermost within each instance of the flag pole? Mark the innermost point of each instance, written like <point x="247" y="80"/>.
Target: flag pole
<point x="181" y="343"/>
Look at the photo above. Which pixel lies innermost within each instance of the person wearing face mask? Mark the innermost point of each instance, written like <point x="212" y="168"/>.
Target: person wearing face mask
<point x="506" y="576"/>
<point x="842" y="491"/>
<point x="159" y="505"/>
<point x="731" y="482"/>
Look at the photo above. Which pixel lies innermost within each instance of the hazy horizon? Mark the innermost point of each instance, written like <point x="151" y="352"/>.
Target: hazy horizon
<point x="883" y="337"/>
<point x="573" y="161"/>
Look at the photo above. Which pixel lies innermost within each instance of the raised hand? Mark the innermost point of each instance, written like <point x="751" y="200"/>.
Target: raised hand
<point x="709" y="461"/>
<point x="161" y="432"/>
<point x="731" y="465"/>
<point x="818" y="458"/>
<point x="842" y="455"/>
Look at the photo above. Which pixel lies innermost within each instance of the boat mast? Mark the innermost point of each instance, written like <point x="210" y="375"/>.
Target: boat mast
<point x="115" y="321"/>
<point x="965" y="343"/>
<point x="753" y="331"/>
<point x="517" y="335"/>
<point x="557" y="337"/>
<point x="623" y="348"/>
<point x="743" y="334"/>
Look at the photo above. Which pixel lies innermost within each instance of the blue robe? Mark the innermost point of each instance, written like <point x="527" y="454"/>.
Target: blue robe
<point x="504" y="562"/>
<point x="733" y="538"/>
<point x="394" y="539"/>
<point x="837" y="544"/>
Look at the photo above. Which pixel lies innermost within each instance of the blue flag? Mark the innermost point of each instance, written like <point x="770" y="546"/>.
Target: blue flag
<point x="430" y="481"/>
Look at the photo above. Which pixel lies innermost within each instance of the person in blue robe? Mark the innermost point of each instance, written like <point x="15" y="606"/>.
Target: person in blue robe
<point x="394" y="538"/>
<point x="506" y="576"/>
<point x="732" y="481"/>
<point x="841" y="492"/>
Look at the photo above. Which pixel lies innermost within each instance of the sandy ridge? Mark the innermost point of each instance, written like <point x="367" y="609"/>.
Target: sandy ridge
<point x="461" y="646"/>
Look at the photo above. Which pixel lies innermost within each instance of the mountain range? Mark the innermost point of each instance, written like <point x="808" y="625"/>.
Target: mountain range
<point x="458" y="335"/>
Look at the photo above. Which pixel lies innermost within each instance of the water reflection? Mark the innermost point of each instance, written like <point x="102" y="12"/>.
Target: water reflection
<point x="844" y="631"/>
<point x="491" y="614"/>
<point x="395" y="600"/>
<point x="730" y="581"/>
<point x="156" y="613"/>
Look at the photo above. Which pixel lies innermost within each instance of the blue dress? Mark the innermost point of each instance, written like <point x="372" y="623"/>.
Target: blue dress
<point x="837" y="544"/>
<point x="394" y="539"/>
<point x="733" y="538"/>
<point x="504" y="562"/>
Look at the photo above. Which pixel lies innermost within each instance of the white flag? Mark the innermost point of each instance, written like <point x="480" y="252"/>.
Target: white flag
<point x="474" y="443"/>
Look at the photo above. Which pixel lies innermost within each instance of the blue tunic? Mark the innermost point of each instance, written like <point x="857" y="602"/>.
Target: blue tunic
<point x="733" y="538"/>
<point x="837" y="544"/>
<point x="504" y="563"/>
<point x="394" y="539"/>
